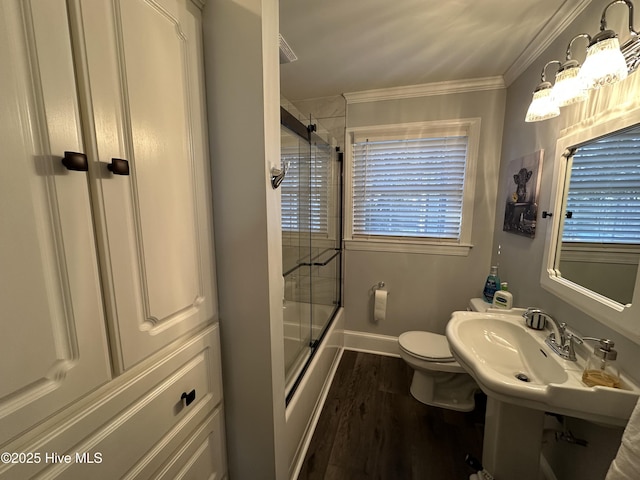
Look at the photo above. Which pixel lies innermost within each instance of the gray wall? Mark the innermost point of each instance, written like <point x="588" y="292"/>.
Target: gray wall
<point x="424" y="288"/>
<point x="243" y="103"/>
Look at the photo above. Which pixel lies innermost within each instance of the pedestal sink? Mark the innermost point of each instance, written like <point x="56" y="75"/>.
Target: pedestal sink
<point x="523" y="379"/>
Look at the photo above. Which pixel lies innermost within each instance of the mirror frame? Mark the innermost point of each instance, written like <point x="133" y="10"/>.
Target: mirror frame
<point x="624" y="319"/>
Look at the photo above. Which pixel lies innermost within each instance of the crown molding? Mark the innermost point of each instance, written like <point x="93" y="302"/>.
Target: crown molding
<point x="426" y="90"/>
<point x="557" y="24"/>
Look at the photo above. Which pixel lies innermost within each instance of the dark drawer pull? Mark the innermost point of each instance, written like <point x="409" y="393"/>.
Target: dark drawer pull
<point x="118" y="166"/>
<point x="75" y="161"/>
<point x="188" y="397"/>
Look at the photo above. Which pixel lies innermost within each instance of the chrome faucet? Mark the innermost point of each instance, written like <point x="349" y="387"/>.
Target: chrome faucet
<point x="561" y="342"/>
<point x="560" y="329"/>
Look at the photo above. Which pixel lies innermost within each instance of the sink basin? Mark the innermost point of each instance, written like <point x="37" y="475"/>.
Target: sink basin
<point x="507" y="354"/>
<point x="511" y="363"/>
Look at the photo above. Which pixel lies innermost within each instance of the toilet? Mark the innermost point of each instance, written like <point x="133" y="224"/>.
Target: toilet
<point x="438" y="379"/>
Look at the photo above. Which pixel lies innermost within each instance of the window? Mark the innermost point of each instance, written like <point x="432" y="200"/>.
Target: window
<point x="412" y="184"/>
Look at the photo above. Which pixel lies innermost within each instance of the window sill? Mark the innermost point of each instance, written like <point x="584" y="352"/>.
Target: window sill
<point x="403" y="246"/>
<point x="599" y="253"/>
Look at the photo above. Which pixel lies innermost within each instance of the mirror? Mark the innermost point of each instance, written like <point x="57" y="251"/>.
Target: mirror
<point x="600" y="216"/>
<point x="592" y="247"/>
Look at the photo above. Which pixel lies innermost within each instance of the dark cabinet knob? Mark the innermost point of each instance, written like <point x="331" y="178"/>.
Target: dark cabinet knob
<point x="188" y="397"/>
<point x="118" y="166"/>
<point x="75" y="161"/>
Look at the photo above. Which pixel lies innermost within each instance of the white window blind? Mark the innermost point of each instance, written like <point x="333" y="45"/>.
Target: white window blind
<point x="408" y="187"/>
<point x="604" y="192"/>
<point x="305" y="189"/>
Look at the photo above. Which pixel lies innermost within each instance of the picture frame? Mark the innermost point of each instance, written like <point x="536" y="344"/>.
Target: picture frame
<point x="522" y="194"/>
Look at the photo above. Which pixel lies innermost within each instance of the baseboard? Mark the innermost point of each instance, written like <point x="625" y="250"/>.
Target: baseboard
<point x="371" y="343"/>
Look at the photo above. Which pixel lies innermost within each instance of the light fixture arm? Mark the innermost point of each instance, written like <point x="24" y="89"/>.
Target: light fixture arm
<point x="544" y="69"/>
<point x="581" y="35"/>
<point x="603" y="20"/>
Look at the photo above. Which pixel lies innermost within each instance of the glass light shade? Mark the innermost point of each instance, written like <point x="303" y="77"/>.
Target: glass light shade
<point x="569" y="87"/>
<point x="543" y="105"/>
<point x="604" y="64"/>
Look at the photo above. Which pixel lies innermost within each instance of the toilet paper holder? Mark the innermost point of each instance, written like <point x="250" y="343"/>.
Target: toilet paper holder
<point x="380" y="295"/>
<point x="377" y="286"/>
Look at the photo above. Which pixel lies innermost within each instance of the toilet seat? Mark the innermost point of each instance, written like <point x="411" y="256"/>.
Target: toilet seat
<point x="427" y="346"/>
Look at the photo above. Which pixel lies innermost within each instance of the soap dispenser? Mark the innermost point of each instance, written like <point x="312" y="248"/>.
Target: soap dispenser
<point x="601" y="368"/>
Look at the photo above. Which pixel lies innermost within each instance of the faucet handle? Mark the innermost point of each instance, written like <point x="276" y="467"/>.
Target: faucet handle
<point x="576" y="339"/>
<point x="604" y="342"/>
<point x="571" y="345"/>
<point x="535" y="318"/>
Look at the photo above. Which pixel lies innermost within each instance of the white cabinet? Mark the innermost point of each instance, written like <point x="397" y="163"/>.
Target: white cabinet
<point x="143" y="74"/>
<point x="53" y="346"/>
<point x="102" y="274"/>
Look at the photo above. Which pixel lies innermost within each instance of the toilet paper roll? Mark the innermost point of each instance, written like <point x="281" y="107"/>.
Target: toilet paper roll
<point x="380" y="305"/>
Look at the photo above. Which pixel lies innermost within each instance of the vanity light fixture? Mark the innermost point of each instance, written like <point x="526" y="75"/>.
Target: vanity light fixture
<point x="569" y="87"/>
<point x="543" y="105"/>
<point x="605" y="63"/>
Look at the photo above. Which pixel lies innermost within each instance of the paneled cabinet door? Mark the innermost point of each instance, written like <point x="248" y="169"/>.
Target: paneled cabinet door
<point x="144" y="70"/>
<point x="53" y="346"/>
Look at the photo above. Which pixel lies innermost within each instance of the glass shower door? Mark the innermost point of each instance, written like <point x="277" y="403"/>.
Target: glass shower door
<point x="295" y="153"/>
<point x="325" y="243"/>
<point x="311" y="240"/>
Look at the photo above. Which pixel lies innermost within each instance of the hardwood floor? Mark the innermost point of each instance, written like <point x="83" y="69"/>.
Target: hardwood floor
<point x="372" y="428"/>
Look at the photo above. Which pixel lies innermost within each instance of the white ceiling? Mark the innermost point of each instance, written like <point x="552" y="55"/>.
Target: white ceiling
<point x="356" y="45"/>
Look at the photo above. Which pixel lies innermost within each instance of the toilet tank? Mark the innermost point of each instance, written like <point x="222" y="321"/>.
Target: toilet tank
<point x="478" y="305"/>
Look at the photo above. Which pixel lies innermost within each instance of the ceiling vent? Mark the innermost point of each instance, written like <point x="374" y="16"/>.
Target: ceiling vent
<point x="286" y="54"/>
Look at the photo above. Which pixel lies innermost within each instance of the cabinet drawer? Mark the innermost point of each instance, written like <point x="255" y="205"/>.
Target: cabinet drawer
<point x="202" y="456"/>
<point x="122" y="431"/>
<point x="153" y="421"/>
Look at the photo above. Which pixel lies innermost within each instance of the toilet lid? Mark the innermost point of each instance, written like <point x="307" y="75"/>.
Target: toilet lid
<point x="427" y="345"/>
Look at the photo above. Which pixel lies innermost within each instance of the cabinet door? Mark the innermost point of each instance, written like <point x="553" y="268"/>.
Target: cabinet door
<point x="144" y="66"/>
<point x="53" y="346"/>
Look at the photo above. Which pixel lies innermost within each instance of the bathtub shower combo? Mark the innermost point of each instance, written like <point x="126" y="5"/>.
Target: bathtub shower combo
<point x="311" y="240"/>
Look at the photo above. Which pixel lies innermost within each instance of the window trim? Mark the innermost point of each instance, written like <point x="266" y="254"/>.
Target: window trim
<point x="467" y="126"/>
